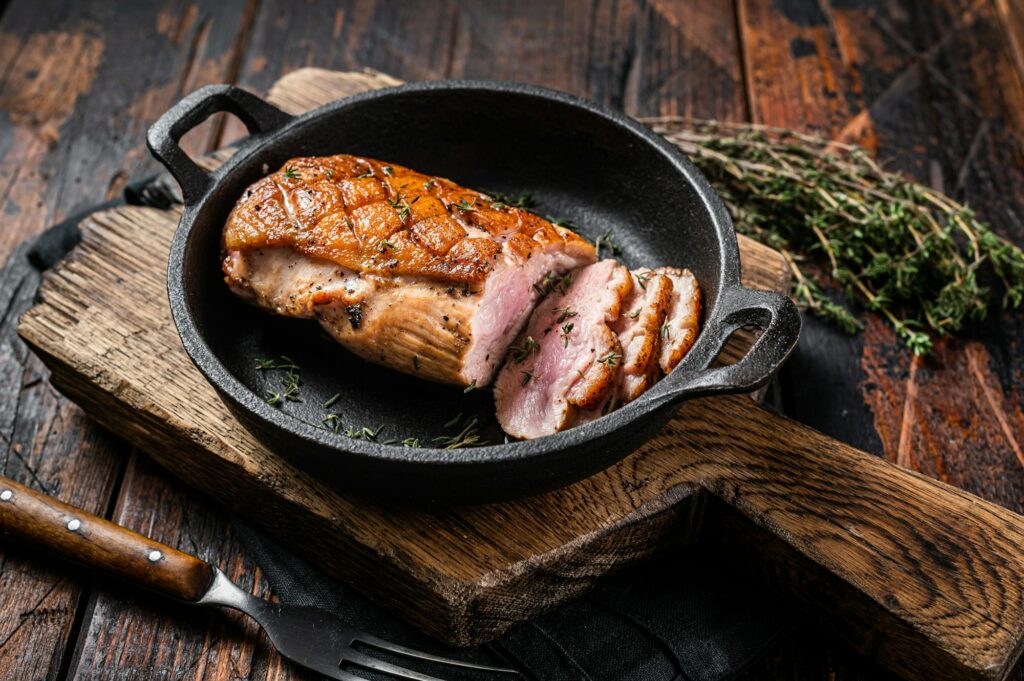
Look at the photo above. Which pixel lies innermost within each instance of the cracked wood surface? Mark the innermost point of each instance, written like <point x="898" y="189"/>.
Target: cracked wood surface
<point x="68" y="137"/>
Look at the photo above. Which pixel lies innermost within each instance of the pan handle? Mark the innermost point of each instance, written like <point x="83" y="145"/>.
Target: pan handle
<point x="164" y="135"/>
<point x="773" y="312"/>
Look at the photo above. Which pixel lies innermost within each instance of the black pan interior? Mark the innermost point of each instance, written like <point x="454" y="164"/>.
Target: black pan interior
<point x="575" y="163"/>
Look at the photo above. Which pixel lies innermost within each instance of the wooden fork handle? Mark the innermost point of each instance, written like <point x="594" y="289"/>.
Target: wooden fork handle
<point x="72" y="533"/>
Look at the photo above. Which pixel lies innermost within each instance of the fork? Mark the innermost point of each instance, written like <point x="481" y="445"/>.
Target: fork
<point x="311" y="637"/>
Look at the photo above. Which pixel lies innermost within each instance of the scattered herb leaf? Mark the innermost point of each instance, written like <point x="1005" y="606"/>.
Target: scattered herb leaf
<point x="521" y="352"/>
<point x="564" y="313"/>
<point x="566" y="330"/>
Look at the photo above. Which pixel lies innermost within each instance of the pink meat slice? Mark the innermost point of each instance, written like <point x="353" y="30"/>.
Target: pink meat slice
<point x="639" y="328"/>
<point x="683" y="320"/>
<point x="568" y="357"/>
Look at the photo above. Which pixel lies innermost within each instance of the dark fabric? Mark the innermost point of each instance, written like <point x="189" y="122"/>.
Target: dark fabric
<point x="683" y="617"/>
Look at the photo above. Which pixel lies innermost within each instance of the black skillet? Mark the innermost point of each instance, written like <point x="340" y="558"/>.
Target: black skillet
<point x="580" y="161"/>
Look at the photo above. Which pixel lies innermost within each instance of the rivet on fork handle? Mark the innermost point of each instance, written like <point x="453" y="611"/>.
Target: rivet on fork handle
<point x="69" y="532"/>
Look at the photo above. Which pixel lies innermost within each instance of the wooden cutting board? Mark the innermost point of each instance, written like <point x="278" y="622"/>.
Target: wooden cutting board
<point x="925" y="578"/>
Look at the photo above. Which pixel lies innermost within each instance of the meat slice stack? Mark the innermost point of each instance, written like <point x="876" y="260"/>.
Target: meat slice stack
<point x="596" y="343"/>
<point x="407" y="270"/>
<point x="567" y="359"/>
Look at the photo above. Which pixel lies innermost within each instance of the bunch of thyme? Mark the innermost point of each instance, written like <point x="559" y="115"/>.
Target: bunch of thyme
<point x="901" y="249"/>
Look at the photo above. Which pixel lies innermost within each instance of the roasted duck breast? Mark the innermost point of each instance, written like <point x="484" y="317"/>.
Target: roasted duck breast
<point x="406" y="270"/>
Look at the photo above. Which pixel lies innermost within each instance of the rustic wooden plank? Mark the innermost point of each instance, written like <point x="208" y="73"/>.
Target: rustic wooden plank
<point x="643" y="57"/>
<point x="934" y="89"/>
<point x="79" y="84"/>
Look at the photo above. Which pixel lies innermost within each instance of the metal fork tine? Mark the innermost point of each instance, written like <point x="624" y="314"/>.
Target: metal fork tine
<point x="368" y="662"/>
<point x="381" y="644"/>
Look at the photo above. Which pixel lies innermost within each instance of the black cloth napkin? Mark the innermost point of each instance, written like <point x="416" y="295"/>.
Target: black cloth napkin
<point x="685" y="616"/>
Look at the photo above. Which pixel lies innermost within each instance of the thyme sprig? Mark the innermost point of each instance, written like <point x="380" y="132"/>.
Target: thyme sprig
<point x="521" y="352"/>
<point x="901" y="249"/>
<point x="289" y="383"/>
<point x="467" y="435"/>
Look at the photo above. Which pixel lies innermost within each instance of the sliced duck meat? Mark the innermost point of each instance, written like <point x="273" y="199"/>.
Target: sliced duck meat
<point x="568" y="358"/>
<point x="682" y="324"/>
<point x="407" y="270"/>
<point x="639" y="328"/>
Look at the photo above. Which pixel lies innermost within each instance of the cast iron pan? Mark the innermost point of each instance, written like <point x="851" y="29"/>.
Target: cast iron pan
<point x="580" y="161"/>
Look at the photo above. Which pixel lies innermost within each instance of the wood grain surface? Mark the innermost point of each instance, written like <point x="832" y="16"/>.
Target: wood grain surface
<point x="923" y="577"/>
<point x="80" y="80"/>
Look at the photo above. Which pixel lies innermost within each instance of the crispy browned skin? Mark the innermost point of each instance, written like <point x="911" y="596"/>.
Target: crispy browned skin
<point x="382" y="218"/>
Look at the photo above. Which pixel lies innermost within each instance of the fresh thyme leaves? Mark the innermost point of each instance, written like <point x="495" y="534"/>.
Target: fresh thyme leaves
<point x="564" y="313"/>
<point x="611" y="359"/>
<point x="403" y="207"/>
<point x="290" y="383"/>
<point x="387" y="170"/>
<point x="364" y="433"/>
<point x="384" y="243"/>
<point x="521" y="352"/>
<point x="522" y="200"/>
<point x="413" y="442"/>
<point x="607" y="242"/>
<point x="553" y="282"/>
<point x="464" y="205"/>
<point x="527" y="375"/>
<point x="429" y="184"/>
<point x="468" y="434"/>
<point x="291" y="173"/>
<point x="561" y="222"/>
<point x="566" y="330"/>
<point x="642" y="278"/>
<point x="635" y="313"/>
<point x="285" y="362"/>
<point x="471" y="387"/>
<point x="332" y="422"/>
<point x="332" y="400"/>
<point x="363" y="175"/>
<point x="666" y="330"/>
<point x="901" y="249"/>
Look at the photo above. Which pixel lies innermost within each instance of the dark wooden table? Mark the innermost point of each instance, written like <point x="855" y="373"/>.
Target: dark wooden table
<point x="934" y="86"/>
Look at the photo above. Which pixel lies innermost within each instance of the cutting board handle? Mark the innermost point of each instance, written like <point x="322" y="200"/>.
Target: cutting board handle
<point x="925" y="578"/>
<point x="33" y="517"/>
